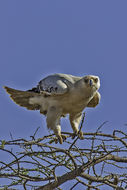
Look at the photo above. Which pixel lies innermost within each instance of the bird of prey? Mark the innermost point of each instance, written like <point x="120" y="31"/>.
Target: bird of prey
<point x="58" y="95"/>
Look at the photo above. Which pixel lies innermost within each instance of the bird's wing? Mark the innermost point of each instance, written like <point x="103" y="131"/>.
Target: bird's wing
<point x="95" y="100"/>
<point x="22" y="98"/>
<point x="56" y="84"/>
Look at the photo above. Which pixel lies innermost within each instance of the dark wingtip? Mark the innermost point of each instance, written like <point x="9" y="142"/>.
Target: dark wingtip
<point x="6" y="88"/>
<point x="36" y="90"/>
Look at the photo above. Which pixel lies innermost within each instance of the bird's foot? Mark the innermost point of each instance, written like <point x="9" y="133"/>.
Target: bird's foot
<point x="74" y="135"/>
<point x="79" y="134"/>
<point x="60" y="138"/>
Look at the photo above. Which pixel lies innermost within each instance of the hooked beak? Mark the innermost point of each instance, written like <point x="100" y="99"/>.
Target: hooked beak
<point x="91" y="82"/>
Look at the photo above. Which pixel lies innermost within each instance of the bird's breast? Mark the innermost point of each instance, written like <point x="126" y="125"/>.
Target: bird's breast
<point x="69" y="104"/>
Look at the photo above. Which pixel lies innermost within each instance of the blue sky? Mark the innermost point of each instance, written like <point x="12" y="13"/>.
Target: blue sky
<point x="76" y="37"/>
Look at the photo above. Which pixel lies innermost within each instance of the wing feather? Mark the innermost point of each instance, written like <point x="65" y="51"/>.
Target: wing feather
<point x="55" y="84"/>
<point x="22" y="98"/>
<point x="95" y="100"/>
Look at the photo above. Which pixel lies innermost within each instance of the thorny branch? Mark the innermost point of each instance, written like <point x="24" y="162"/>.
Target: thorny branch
<point x="100" y="160"/>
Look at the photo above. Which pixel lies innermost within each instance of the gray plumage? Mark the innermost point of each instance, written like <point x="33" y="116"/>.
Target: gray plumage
<point x="56" y="84"/>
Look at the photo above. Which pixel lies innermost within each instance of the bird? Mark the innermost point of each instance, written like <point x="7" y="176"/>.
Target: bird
<point x="58" y="95"/>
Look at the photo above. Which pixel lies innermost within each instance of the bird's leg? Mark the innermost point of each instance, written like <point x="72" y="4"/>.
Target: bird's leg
<point x="75" y="119"/>
<point x="53" y="122"/>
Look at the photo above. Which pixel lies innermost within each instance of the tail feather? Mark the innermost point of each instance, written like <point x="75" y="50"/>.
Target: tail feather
<point x="22" y="98"/>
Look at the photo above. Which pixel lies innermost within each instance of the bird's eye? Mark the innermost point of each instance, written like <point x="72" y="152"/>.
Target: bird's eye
<point x="96" y="80"/>
<point x="86" y="80"/>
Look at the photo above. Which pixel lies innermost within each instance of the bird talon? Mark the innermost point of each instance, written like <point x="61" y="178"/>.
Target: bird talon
<point x="80" y="135"/>
<point x="74" y="135"/>
<point x="56" y="140"/>
<point x="64" y="137"/>
<point x="60" y="139"/>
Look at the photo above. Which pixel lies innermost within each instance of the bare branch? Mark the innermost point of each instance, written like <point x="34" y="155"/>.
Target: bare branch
<point x="42" y="164"/>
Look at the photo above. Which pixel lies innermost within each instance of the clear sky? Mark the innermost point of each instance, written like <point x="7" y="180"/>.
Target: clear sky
<point x="77" y="37"/>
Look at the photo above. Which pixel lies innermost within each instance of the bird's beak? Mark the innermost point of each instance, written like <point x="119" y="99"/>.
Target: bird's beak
<point x="91" y="82"/>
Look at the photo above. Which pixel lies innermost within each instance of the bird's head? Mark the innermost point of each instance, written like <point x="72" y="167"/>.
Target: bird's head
<point x="89" y="83"/>
<point x="92" y="82"/>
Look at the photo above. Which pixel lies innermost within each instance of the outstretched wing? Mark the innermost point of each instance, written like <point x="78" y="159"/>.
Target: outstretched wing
<point x="22" y="98"/>
<point x="53" y="85"/>
<point x="95" y="100"/>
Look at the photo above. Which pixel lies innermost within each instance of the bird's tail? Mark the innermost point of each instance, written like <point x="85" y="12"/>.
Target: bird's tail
<point x="22" y="98"/>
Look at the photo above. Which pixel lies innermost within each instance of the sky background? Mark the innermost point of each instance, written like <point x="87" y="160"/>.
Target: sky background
<point x="77" y="37"/>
